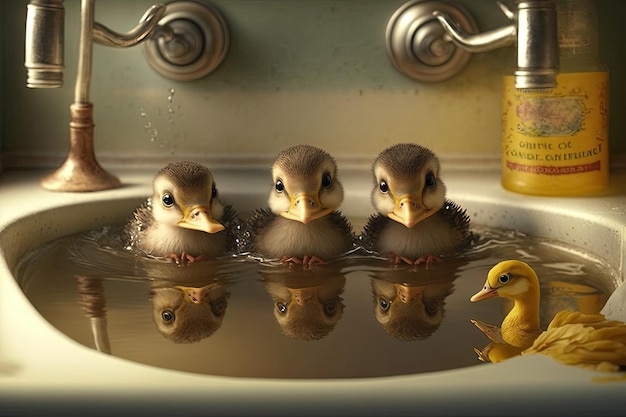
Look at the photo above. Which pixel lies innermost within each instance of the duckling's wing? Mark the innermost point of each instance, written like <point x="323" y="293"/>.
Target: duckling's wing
<point x="344" y="227"/>
<point x="457" y="218"/>
<point x="492" y="332"/>
<point x="376" y="223"/>
<point x="232" y="226"/>
<point x="142" y="219"/>
<point x="253" y="226"/>
<point x="586" y="340"/>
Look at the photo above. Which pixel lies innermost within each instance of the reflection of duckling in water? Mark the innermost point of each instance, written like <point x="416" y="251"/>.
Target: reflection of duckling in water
<point x="409" y="304"/>
<point x="189" y="307"/>
<point x="307" y="304"/>
<point x="303" y="224"/>
<point x="573" y="338"/>
<point x="415" y="222"/>
<point x="184" y="219"/>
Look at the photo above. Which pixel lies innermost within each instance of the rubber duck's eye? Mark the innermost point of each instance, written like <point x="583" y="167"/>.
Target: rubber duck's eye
<point x="431" y="181"/>
<point x="281" y="307"/>
<point x="330" y="309"/>
<point x="280" y="187"/>
<point x="168" y="316"/>
<point x="384" y="304"/>
<point x="504" y="278"/>
<point x="218" y="306"/>
<point x="384" y="188"/>
<point x="214" y="191"/>
<point x="327" y="181"/>
<point x="168" y="200"/>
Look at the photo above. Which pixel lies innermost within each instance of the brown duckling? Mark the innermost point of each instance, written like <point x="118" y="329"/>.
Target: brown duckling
<point x="184" y="220"/>
<point x="302" y="224"/>
<point x="307" y="305"/>
<point x="415" y="222"/>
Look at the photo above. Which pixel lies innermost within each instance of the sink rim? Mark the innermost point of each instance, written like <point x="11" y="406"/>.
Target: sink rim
<point x="35" y="377"/>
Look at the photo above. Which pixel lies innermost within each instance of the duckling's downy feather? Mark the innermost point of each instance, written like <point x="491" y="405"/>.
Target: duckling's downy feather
<point x="328" y="237"/>
<point x="140" y="241"/>
<point x="183" y="215"/>
<point x="445" y="231"/>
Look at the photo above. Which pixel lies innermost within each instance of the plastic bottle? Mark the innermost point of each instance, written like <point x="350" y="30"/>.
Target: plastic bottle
<point x="555" y="142"/>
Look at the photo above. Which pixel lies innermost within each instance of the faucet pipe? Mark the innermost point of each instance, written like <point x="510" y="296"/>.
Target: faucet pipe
<point x="81" y="171"/>
<point x="537" y="45"/>
<point x="147" y="25"/>
<point x="533" y="29"/>
<point x="45" y="26"/>
<point x="92" y="31"/>
<point x="484" y="42"/>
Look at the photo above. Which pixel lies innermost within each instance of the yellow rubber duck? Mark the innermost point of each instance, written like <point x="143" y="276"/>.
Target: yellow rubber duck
<point x="572" y="338"/>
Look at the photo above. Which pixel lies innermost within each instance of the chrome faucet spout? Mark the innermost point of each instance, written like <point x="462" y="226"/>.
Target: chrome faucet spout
<point x="194" y="39"/>
<point x="45" y="25"/>
<point x="147" y="24"/>
<point x="480" y="42"/>
<point x="537" y="45"/>
<point x="533" y="30"/>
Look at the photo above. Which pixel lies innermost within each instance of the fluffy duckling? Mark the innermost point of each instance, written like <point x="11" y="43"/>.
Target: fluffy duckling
<point x="307" y="305"/>
<point x="414" y="222"/>
<point x="184" y="220"/>
<point x="188" y="314"/>
<point x="409" y="305"/>
<point x="303" y="224"/>
<point x="587" y="340"/>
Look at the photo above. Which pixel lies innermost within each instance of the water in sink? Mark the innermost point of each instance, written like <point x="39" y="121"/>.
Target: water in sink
<point x="240" y="317"/>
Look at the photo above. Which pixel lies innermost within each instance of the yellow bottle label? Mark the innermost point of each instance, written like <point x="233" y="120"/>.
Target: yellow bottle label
<point x="556" y="142"/>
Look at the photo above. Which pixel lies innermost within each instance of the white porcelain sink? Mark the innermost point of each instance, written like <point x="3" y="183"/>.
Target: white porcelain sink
<point x="41" y="369"/>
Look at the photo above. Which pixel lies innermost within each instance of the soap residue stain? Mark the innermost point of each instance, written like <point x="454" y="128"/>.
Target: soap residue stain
<point x="355" y="317"/>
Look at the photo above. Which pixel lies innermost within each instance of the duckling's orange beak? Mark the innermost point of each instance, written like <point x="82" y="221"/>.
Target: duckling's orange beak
<point x="196" y="295"/>
<point x="484" y="294"/>
<point x="305" y="208"/>
<point x="408" y="294"/>
<point x="410" y="211"/>
<point x="303" y="296"/>
<point x="199" y="218"/>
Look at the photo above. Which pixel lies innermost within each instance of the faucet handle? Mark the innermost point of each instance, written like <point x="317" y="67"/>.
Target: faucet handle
<point x="418" y="45"/>
<point x="190" y="41"/>
<point x="183" y="40"/>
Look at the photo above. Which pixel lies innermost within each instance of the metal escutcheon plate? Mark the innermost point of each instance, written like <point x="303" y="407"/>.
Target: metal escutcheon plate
<point x="200" y="43"/>
<point x="418" y="45"/>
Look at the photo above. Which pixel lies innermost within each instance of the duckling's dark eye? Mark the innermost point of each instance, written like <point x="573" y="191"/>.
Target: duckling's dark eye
<point x="168" y="200"/>
<point x="327" y="181"/>
<point x="330" y="308"/>
<point x="384" y="188"/>
<point x="213" y="191"/>
<point x="168" y="316"/>
<point x="280" y="187"/>
<point x="504" y="278"/>
<point x="431" y="308"/>
<point x="430" y="180"/>
<point x="219" y="306"/>
<point x="384" y="304"/>
<point x="281" y="307"/>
